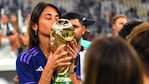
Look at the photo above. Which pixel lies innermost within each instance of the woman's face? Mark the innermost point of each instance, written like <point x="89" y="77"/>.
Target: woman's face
<point x="46" y="19"/>
<point x="4" y="19"/>
<point x="13" y="18"/>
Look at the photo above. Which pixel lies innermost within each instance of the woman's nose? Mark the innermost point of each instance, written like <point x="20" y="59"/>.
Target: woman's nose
<point x="54" y="20"/>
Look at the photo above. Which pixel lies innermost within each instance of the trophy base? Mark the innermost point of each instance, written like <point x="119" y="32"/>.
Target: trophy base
<point x="62" y="79"/>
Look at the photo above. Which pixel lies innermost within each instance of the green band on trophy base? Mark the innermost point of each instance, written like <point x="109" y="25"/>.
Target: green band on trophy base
<point x="62" y="79"/>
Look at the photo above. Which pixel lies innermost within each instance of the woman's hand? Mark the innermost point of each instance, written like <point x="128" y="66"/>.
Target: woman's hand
<point x="56" y="59"/>
<point x="16" y="79"/>
<point x="72" y="49"/>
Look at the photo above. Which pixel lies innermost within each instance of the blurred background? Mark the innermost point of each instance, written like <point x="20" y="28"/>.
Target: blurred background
<point x="102" y="11"/>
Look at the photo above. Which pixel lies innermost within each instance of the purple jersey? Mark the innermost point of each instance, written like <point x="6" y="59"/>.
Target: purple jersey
<point x="30" y="65"/>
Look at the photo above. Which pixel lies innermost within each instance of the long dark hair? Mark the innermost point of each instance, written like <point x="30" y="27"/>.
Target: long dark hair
<point x="110" y="60"/>
<point x="33" y="37"/>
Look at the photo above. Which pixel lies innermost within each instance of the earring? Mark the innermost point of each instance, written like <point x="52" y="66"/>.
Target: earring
<point x="35" y="32"/>
<point x="36" y="36"/>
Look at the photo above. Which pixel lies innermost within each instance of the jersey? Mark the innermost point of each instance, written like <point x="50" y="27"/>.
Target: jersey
<point x="80" y="63"/>
<point x="30" y="65"/>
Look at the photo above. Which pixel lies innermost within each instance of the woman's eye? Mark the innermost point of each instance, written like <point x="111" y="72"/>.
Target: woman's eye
<point x="48" y="18"/>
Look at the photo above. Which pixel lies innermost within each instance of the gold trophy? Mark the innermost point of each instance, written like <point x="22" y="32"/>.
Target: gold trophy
<point x="61" y="33"/>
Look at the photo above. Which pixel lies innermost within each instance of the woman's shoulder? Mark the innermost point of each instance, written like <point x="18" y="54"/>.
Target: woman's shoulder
<point x="26" y="56"/>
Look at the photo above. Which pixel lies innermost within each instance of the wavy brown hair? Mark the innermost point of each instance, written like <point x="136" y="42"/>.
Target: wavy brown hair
<point x="110" y="60"/>
<point x="138" y="38"/>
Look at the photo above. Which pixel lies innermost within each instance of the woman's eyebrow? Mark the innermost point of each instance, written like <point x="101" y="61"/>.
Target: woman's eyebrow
<point x="49" y="14"/>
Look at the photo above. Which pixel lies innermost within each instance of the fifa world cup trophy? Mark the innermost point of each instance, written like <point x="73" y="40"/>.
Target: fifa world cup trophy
<point x="61" y="33"/>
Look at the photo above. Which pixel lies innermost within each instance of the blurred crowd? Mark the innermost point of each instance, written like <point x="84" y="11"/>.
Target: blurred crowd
<point x="101" y="10"/>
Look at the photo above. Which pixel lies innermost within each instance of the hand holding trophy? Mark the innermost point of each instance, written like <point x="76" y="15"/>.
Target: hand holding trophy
<point x="61" y="33"/>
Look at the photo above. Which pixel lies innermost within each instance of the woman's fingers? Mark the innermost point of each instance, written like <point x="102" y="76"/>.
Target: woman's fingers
<point x="63" y="64"/>
<point x="59" y="49"/>
<point x="72" y="52"/>
<point x="60" y="55"/>
<point x="65" y="61"/>
<point x="56" y="59"/>
<point x="74" y="44"/>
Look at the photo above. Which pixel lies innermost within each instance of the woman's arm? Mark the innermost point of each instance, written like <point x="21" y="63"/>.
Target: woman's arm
<point x="46" y="76"/>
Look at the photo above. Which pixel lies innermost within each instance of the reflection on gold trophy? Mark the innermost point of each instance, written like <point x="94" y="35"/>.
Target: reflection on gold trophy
<point x="61" y="33"/>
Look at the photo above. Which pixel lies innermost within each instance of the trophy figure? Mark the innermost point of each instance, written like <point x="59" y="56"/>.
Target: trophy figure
<point x="61" y="33"/>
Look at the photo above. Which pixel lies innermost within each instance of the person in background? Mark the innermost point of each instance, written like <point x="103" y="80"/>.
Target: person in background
<point x="24" y="35"/>
<point x="128" y="27"/>
<point x="80" y="24"/>
<point x="138" y="38"/>
<point x="14" y="22"/>
<point x="38" y="64"/>
<point x="23" y="40"/>
<point x="8" y="35"/>
<point x="118" y="22"/>
<point x="15" y="25"/>
<point x="111" y="60"/>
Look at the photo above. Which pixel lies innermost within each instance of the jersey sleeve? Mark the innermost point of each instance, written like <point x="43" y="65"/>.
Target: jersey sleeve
<point x="25" y="69"/>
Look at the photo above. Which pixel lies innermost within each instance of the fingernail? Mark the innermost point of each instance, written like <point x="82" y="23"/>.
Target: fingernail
<point x="64" y="53"/>
<point x="70" y="57"/>
<point x="63" y="44"/>
<point x="69" y="62"/>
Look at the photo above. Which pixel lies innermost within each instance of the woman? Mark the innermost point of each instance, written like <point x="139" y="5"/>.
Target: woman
<point x="138" y="38"/>
<point x="14" y="22"/>
<point x="38" y="63"/>
<point x="110" y="60"/>
<point x="8" y="35"/>
<point x="15" y="25"/>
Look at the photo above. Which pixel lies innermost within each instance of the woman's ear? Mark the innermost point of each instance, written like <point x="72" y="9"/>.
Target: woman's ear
<point x="35" y="27"/>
